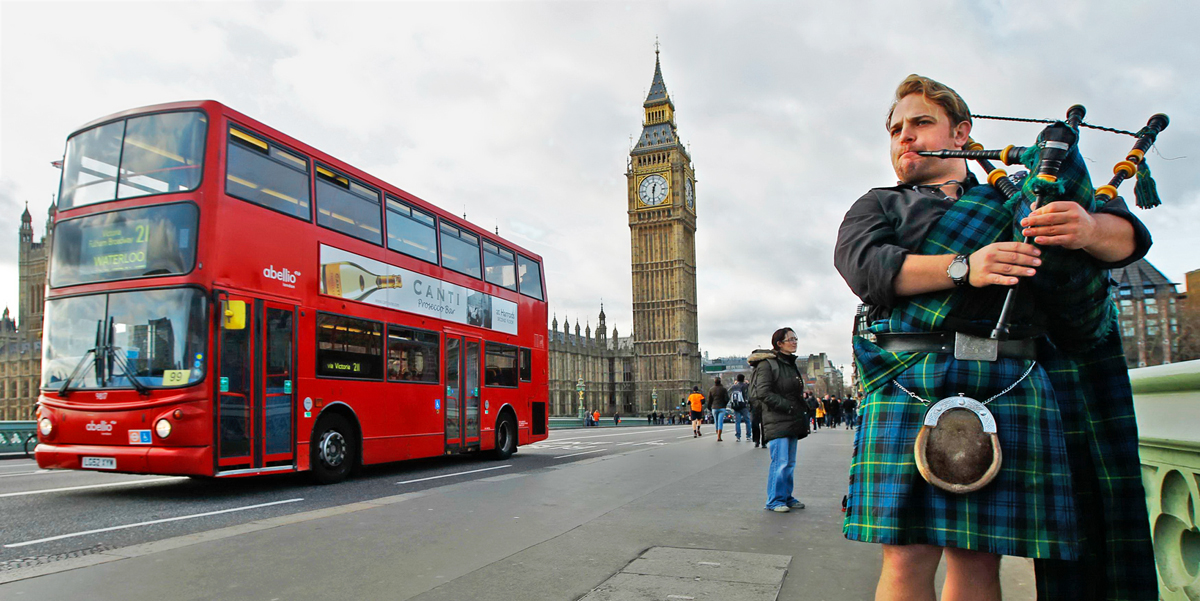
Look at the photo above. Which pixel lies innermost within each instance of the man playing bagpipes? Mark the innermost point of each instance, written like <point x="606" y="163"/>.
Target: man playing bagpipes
<point x="1031" y="450"/>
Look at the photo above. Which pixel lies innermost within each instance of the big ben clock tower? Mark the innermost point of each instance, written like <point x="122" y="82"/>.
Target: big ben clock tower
<point x="662" y="227"/>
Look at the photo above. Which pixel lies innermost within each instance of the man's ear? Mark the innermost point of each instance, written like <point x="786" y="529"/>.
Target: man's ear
<point x="962" y="133"/>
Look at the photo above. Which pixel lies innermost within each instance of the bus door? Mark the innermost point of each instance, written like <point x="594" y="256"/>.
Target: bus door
<point x="463" y="357"/>
<point x="255" y="417"/>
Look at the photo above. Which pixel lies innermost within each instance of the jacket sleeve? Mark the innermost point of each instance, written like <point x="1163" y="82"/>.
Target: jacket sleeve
<point x="1141" y="236"/>
<point x="868" y="254"/>
<point x="764" y="389"/>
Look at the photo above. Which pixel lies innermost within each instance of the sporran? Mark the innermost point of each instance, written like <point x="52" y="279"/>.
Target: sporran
<point x="957" y="448"/>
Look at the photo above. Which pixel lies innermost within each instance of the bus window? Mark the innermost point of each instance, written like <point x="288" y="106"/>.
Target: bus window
<point x="499" y="266"/>
<point x="412" y="355"/>
<point x="460" y="251"/>
<point x="349" y="348"/>
<point x="531" y="277"/>
<point x="162" y="153"/>
<point x="347" y="206"/>
<point x="527" y="366"/>
<point x="260" y="172"/>
<point x="411" y="231"/>
<point x="153" y="154"/>
<point x="501" y="361"/>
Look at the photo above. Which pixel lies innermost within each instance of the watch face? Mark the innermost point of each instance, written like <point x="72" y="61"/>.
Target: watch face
<point x="958" y="270"/>
<point x="653" y="190"/>
<point x="689" y="194"/>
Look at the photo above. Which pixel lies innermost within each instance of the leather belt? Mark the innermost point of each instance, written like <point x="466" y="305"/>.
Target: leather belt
<point x="964" y="346"/>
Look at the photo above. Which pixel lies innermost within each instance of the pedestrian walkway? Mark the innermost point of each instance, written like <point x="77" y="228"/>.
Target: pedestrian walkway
<point x="681" y="521"/>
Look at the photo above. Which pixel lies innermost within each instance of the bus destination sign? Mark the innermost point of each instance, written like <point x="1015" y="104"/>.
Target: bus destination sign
<point x="114" y="248"/>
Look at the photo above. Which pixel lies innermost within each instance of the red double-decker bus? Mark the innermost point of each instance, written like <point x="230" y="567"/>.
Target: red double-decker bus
<point x="225" y="300"/>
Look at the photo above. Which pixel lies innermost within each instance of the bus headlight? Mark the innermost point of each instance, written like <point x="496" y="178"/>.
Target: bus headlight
<point x="45" y="426"/>
<point x="162" y="427"/>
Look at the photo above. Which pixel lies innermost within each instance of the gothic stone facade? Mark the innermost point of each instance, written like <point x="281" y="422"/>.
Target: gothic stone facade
<point x="604" y="365"/>
<point x="21" y="340"/>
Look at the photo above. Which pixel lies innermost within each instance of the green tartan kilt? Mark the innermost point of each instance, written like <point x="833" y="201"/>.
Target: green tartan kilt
<point x="1027" y="511"/>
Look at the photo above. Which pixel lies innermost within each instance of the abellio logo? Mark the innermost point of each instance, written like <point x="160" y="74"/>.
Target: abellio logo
<point x="103" y="426"/>
<point x="286" y="277"/>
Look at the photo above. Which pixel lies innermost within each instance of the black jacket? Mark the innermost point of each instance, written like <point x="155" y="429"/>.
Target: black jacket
<point x="779" y="394"/>
<point x="718" y="397"/>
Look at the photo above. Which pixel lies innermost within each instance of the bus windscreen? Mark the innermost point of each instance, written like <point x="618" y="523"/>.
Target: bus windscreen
<point x="133" y="243"/>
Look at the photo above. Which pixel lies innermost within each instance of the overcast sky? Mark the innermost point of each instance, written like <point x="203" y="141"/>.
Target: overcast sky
<point x="520" y="114"/>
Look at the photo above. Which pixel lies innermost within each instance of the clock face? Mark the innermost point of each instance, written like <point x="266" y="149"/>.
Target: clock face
<point x="653" y="190"/>
<point x="689" y="194"/>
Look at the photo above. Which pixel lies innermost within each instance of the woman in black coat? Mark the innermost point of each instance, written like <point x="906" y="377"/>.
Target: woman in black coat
<point x="778" y="389"/>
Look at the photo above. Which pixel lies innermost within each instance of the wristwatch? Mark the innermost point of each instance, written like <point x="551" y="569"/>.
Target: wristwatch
<point x="959" y="269"/>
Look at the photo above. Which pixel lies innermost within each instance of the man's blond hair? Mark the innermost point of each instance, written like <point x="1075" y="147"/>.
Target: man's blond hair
<point x="937" y="93"/>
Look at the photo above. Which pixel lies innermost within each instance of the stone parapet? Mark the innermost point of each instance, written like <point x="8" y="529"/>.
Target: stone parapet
<point x="1167" y="398"/>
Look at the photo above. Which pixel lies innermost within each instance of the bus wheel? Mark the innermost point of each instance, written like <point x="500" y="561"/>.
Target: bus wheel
<point x="506" y="438"/>
<point x="333" y="449"/>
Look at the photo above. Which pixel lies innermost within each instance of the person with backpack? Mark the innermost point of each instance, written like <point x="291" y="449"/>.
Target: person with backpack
<point x="776" y="385"/>
<point x="740" y="407"/>
<point x="718" y="403"/>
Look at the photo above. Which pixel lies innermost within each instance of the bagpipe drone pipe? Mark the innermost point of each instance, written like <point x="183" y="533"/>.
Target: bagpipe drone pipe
<point x="1071" y="287"/>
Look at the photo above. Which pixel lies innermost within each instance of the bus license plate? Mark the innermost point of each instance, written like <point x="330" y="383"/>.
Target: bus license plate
<point x="100" y="463"/>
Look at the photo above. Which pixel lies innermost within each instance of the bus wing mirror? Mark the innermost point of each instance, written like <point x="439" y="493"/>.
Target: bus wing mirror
<point x="233" y="315"/>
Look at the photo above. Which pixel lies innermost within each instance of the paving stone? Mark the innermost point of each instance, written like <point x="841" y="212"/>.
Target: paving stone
<point x="668" y="573"/>
<point x="710" y="564"/>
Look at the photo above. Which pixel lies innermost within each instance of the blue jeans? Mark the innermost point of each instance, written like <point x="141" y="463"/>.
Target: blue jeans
<point x="738" y="418"/>
<point x="781" y="473"/>
<point x="719" y="418"/>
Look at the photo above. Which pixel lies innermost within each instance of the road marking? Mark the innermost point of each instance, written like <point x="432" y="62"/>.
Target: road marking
<point x="678" y="437"/>
<point x="164" y="520"/>
<point x="608" y="435"/>
<point x="583" y="453"/>
<point x="127" y="483"/>
<point x="486" y="469"/>
<point x="24" y="473"/>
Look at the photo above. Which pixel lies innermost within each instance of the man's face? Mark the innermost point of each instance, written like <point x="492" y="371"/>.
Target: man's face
<point x="918" y="124"/>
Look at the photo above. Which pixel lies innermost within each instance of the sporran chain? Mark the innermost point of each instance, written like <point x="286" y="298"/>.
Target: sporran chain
<point x="993" y="397"/>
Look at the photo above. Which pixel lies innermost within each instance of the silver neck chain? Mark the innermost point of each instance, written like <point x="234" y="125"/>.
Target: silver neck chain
<point x="993" y="397"/>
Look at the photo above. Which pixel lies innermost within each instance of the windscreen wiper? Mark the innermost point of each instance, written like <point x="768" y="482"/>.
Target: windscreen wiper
<point x="65" y="389"/>
<point x="123" y="363"/>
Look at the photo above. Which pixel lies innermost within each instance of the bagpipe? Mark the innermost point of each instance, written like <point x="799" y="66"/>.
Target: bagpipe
<point x="1048" y="155"/>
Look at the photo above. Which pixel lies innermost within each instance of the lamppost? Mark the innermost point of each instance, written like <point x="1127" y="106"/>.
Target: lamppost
<point x="654" y="398"/>
<point x="579" y="389"/>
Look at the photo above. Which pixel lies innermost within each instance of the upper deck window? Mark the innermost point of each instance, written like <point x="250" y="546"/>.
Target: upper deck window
<point x="347" y="206"/>
<point x="261" y="172"/>
<point x="531" y="277"/>
<point x="460" y="251"/>
<point x="499" y="266"/>
<point x="139" y="156"/>
<point x="411" y="231"/>
<point x="131" y="243"/>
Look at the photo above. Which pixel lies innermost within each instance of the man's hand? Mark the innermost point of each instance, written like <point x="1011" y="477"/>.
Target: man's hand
<point x="1065" y="224"/>
<point x="1001" y="262"/>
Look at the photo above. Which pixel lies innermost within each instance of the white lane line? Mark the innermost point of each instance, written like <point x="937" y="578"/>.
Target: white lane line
<point x="486" y="469"/>
<point x="678" y="437"/>
<point x="635" y="431"/>
<point x="575" y="454"/>
<point x="175" y="519"/>
<point x="24" y="473"/>
<point x="128" y="483"/>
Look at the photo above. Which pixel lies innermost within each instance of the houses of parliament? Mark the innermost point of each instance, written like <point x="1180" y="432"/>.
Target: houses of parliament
<point x="21" y="338"/>
<point x="659" y="363"/>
